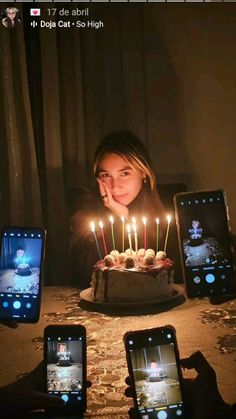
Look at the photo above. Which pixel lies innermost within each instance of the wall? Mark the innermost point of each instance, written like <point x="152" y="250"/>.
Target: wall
<point x="201" y="42"/>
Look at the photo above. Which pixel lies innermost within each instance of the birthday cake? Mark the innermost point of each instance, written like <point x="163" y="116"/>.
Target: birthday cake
<point x="132" y="277"/>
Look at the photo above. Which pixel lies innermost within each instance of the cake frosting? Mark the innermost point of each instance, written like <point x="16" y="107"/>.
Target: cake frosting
<point x="132" y="277"/>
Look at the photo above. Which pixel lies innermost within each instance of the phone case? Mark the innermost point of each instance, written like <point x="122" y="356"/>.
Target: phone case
<point x="206" y="253"/>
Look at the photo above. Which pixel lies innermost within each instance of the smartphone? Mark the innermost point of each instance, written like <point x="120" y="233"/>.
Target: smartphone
<point x="153" y="364"/>
<point x="65" y="365"/>
<point x="204" y="241"/>
<point x="21" y="270"/>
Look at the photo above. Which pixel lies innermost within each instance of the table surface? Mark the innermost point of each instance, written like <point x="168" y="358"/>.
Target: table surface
<point x="199" y="326"/>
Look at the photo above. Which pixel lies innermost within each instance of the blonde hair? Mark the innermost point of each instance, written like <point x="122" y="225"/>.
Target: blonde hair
<point x="126" y="145"/>
<point x="12" y="8"/>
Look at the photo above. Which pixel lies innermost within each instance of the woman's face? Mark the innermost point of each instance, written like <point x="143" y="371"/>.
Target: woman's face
<point x="153" y="365"/>
<point x="20" y="252"/>
<point x="11" y="14"/>
<point x="124" y="182"/>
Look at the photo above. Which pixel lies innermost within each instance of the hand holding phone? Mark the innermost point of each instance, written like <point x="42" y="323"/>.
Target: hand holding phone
<point x="155" y="373"/>
<point x="21" y="269"/>
<point x="205" y="244"/>
<point x="65" y="365"/>
<point x="26" y="394"/>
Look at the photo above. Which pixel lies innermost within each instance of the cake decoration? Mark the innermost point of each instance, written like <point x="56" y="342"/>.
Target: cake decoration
<point x="134" y="275"/>
<point x="132" y="278"/>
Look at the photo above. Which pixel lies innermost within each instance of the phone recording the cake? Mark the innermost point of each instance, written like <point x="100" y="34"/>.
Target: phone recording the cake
<point x="204" y="242"/>
<point x="65" y="366"/>
<point x="153" y="364"/>
<point x="21" y="270"/>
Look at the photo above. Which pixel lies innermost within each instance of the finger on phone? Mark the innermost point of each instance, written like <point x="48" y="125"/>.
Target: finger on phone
<point x="198" y="362"/>
<point x="132" y="413"/>
<point x="129" y="392"/>
<point x="128" y="380"/>
<point x="41" y="400"/>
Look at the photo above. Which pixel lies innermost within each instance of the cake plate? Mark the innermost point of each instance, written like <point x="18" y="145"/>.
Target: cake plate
<point x="132" y="308"/>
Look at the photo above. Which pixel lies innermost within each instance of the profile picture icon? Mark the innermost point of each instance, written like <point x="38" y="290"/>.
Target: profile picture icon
<point x="11" y="17"/>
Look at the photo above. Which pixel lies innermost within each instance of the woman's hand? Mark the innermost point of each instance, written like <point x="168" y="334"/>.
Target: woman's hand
<point x="201" y="395"/>
<point x="129" y="392"/>
<point x="26" y="394"/>
<point x="116" y="208"/>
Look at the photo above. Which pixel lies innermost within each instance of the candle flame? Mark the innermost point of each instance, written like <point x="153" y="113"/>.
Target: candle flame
<point x="100" y="224"/>
<point x="144" y="220"/>
<point x="134" y="220"/>
<point x="92" y="225"/>
<point x="168" y="218"/>
<point x="111" y="219"/>
<point x="122" y="219"/>
<point x="134" y="228"/>
<point x="157" y="221"/>
<point x="128" y="228"/>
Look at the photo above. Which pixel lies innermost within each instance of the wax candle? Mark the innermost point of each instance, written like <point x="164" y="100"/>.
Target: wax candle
<point x="92" y="224"/>
<point x="129" y="238"/>
<point x="135" y="238"/>
<point x="167" y="231"/>
<point x="112" y="232"/>
<point x="157" y="238"/>
<point x="123" y="233"/>
<point x="145" y="233"/>
<point x="103" y="237"/>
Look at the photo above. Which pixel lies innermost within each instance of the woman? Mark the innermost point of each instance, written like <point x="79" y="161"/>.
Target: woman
<point x="126" y="187"/>
<point x="12" y="18"/>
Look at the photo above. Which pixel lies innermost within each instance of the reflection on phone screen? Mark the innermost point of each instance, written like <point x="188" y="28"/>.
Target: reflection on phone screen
<point x="20" y="273"/>
<point x="205" y="243"/>
<point x="65" y="368"/>
<point x="156" y="381"/>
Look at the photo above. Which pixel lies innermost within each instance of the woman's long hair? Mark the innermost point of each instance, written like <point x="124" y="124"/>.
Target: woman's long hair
<point x="147" y="203"/>
<point x="128" y="146"/>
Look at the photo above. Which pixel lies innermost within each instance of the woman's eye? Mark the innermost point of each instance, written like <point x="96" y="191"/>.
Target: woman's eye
<point x="126" y="173"/>
<point x="104" y="175"/>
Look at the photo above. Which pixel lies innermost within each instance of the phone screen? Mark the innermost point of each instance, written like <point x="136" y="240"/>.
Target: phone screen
<point x="65" y="362"/>
<point x="204" y="239"/>
<point x="152" y="359"/>
<point x="21" y="264"/>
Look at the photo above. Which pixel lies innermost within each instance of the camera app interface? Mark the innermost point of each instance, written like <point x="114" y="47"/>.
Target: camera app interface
<point x="206" y="242"/>
<point x="156" y="380"/>
<point x="65" y="368"/>
<point x="20" y="266"/>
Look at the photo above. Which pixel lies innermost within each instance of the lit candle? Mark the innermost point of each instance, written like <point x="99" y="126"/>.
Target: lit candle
<point x="158" y="227"/>
<point x="123" y="233"/>
<point x="135" y="238"/>
<point x="92" y="224"/>
<point x="103" y="237"/>
<point x="145" y="233"/>
<point x="112" y="232"/>
<point x="129" y="238"/>
<point x="167" y="231"/>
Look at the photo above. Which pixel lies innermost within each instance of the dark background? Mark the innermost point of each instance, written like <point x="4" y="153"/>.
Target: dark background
<point x="165" y="71"/>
